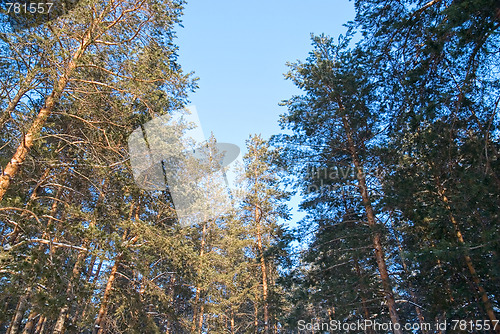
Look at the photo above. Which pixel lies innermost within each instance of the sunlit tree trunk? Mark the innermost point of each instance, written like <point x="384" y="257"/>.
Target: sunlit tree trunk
<point x="30" y="324"/>
<point x="12" y="167"/>
<point x="15" y="323"/>
<point x="468" y="261"/>
<point x="63" y="314"/>
<point x="40" y="327"/>
<point x="370" y="216"/>
<point x="256" y="317"/>
<point x="198" y="311"/>
<point x="263" y="270"/>
<point x="101" y="315"/>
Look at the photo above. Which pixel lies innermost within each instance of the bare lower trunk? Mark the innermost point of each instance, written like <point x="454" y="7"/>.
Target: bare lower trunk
<point x="370" y="216"/>
<point x="103" y="310"/>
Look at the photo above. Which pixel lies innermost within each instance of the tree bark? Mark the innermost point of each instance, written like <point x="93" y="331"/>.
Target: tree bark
<point x="370" y="216"/>
<point x="24" y="147"/>
<point x="98" y="326"/>
<point x="198" y="288"/>
<point x="200" y="318"/>
<point x="30" y="324"/>
<point x="468" y="261"/>
<point x="40" y="327"/>
<point x="63" y="314"/>
<point x="101" y="316"/>
<point x="263" y="269"/>
<point x="256" y="317"/>
<point x="15" y="324"/>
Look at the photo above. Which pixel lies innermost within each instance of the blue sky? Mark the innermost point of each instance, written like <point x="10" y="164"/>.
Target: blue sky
<point x="239" y="50"/>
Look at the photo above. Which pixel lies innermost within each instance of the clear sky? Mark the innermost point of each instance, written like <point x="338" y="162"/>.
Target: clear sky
<point x="239" y="50"/>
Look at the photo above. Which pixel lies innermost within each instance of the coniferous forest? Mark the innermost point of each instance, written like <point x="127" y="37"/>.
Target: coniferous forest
<point x="393" y="147"/>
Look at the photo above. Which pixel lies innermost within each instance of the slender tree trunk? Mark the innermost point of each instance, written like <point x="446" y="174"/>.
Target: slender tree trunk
<point x="256" y="317"/>
<point x="23" y="301"/>
<point x="40" y="327"/>
<point x="63" y="314"/>
<point x="77" y="268"/>
<point x="92" y="279"/>
<point x="200" y="318"/>
<point x="30" y="324"/>
<point x="368" y="330"/>
<point x="101" y="316"/>
<point x="263" y="269"/>
<point x="99" y="323"/>
<point x="24" y="147"/>
<point x="370" y="216"/>
<point x="15" y="324"/>
<point x="24" y="87"/>
<point x="421" y="318"/>
<point x="468" y="261"/>
<point x="231" y="321"/>
<point x="198" y="288"/>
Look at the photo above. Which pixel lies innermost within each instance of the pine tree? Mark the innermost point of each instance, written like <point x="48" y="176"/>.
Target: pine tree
<point x="334" y="128"/>
<point x="262" y="208"/>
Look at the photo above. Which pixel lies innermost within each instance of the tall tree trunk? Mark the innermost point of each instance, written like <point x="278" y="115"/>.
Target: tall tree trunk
<point x="365" y="312"/>
<point x="40" y="326"/>
<point x="30" y="324"/>
<point x="24" y="147"/>
<point x="263" y="269"/>
<point x="198" y="288"/>
<point x="98" y="325"/>
<point x="101" y="316"/>
<point x="370" y="216"/>
<point x="256" y="317"/>
<point x="15" y="324"/>
<point x="468" y="261"/>
<point x="16" y="321"/>
<point x="90" y="279"/>
<point x="63" y="313"/>
<point x="420" y="316"/>
<point x="200" y="318"/>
